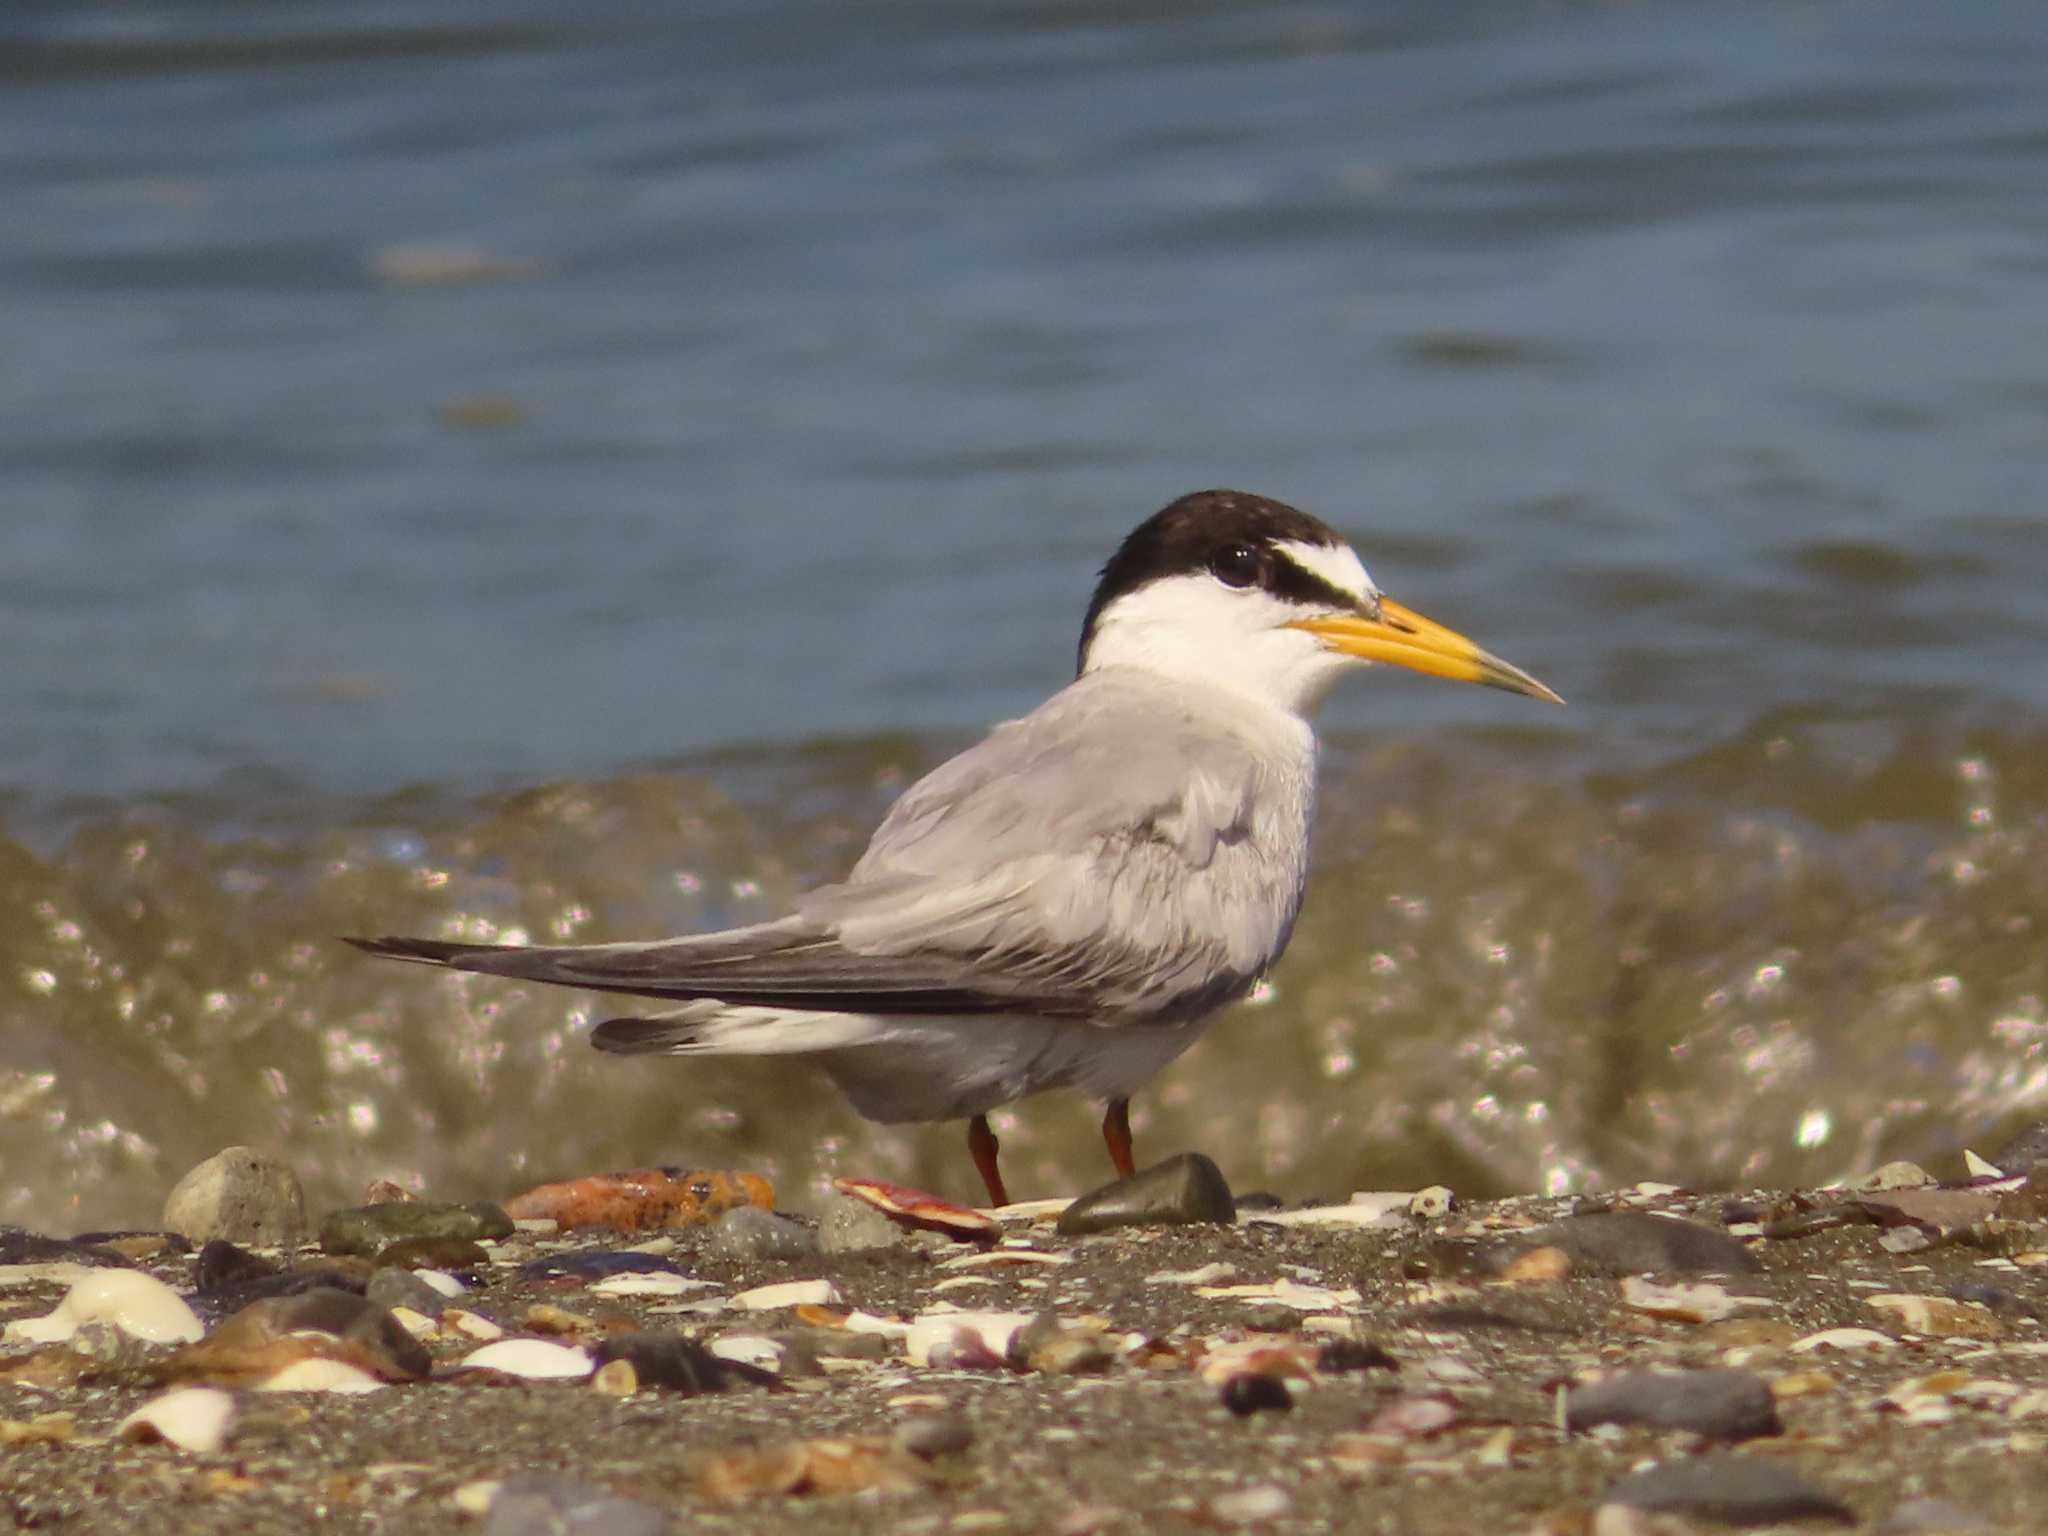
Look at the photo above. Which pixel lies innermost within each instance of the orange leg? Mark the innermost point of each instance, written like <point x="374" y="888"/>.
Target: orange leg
<point x="982" y="1146"/>
<point x="1116" y="1132"/>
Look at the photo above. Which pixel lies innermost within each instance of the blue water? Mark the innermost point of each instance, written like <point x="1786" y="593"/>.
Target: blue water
<point x="469" y="394"/>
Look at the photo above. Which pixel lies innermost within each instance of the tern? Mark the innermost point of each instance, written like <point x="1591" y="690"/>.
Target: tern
<point x="1068" y="903"/>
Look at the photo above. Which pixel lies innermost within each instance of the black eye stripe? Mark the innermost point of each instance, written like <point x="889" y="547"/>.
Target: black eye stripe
<point x="1298" y="584"/>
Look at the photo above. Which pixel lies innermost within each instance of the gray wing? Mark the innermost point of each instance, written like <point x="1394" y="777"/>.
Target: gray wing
<point x="1110" y="855"/>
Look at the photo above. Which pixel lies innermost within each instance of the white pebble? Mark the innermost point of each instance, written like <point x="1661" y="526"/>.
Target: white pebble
<point x="1249" y="1505"/>
<point x="191" y="1418"/>
<point x="140" y="1305"/>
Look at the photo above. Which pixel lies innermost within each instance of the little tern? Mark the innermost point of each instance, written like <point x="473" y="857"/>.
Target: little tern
<point x="1068" y="903"/>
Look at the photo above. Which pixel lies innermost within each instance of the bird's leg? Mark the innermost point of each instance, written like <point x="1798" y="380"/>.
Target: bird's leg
<point x="1116" y="1132"/>
<point x="982" y="1146"/>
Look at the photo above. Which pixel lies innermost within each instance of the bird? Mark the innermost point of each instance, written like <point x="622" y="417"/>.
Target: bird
<point x="1069" y="902"/>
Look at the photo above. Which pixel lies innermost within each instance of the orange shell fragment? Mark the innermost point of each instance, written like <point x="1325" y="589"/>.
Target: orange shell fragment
<point x="642" y="1199"/>
<point x="919" y="1208"/>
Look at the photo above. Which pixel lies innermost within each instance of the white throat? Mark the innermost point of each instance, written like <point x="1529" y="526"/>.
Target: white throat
<point x="1193" y="629"/>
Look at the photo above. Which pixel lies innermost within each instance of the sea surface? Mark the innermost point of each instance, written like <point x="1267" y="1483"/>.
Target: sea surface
<point x="521" y="470"/>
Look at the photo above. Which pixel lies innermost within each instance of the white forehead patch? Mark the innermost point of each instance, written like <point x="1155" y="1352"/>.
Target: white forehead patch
<point x="1339" y="566"/>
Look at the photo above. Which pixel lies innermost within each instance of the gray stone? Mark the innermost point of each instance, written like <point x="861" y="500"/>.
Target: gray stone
<point x="749" y="1234"/>
<point x="1182" y="1191"/>
<point x="929" y="1436"/>
<point x="1931" y="1517"/>
<point x="366" y="1229"/>
<point x="854" y="1226"/>
<point x="1736" y="1490"/>
<point x="2025" y="1150"/>
<point x="1631" y="1243"/>
<point x="241" y="1195"/>
<point x="1723" y="1405"/>
<point x="393" y="1287"/>
<point x="554" y="1504"/>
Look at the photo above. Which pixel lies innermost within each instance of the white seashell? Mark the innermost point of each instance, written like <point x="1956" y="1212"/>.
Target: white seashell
<point x="937" y="1329"/>
<point x="140" y="1305"/>
<point x="1287" y="1292"/>
<point x="748" y="1349"/>
<point x="653" y="1282"/>
<point x="536" y="1358"/>
<point x="791" y="1293"/>
<point x="316" y="1373"/>
<point x="191" y="1418"/>
<point x="1843" y="1338"/>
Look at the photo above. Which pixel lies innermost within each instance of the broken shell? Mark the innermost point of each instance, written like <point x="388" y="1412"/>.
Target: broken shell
<point x="191" y="1418"/>
<point x="919" y="1208"/>
<point x="534" y="1358"/>
<point x="140" y="1305"/>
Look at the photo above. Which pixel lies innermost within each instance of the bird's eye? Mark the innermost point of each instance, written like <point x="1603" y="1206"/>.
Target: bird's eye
<point x="1235" y="565"/>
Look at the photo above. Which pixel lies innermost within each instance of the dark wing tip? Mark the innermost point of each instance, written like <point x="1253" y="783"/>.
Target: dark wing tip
<point x="641" y="1037"/>
<point x="391" y="947"/>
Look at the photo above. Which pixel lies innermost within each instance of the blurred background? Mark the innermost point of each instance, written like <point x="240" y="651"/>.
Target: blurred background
<point x="496" y="471"/>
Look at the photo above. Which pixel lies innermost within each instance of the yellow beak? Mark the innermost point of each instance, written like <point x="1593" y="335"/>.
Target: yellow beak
<point x="1402" y="637"/>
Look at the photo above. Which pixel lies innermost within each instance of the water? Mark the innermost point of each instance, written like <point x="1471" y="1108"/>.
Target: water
<point x="563" y="475"/>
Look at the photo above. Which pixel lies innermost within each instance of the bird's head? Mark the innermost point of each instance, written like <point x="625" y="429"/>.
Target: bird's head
<point x="1234" y="590"/>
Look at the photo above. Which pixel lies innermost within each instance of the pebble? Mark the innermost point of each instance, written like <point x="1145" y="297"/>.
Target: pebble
<point x="1896" y="1175"/>
<point x="674" y="1363"/>
<point x="191" y="1418"/>
<point x="1248" y="1506"/>
<point x="1931" y="1517"/>
<point x="402" y="1288"/>
<point x="32" y="1248"/>
<point x="1631" y="1243"/>
<point x="749" y="1234"/>
<point x="1938" y="1317"/>
<point x="1061" y="1349"/>
<point x="1184" y="1190"/>
<point x="242" y="1195"/>
<point x="2024" y="1150"/>
<point x="596" y="1264"/>
<point x="368" y="1229"/>
<point x="450" y="1253"/>
<point x="1720" y="1404"/>
<point x="929" y="1436"/>
<point x="247" y="1342"/>
<point x="1248" y="1394"/>
<point x="555" y="1504"/>
<point x="140" y="1305"/>
<point x="1342" y="1355"/>
<point x="1738" y="1490"/>
<point x="854" y="1226"/>
<point x="1432" y="1203"/>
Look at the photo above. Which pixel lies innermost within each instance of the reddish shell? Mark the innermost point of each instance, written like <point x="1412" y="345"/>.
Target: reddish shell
<point x="642" y="1199"/>
<point x="919" y="1208"/>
